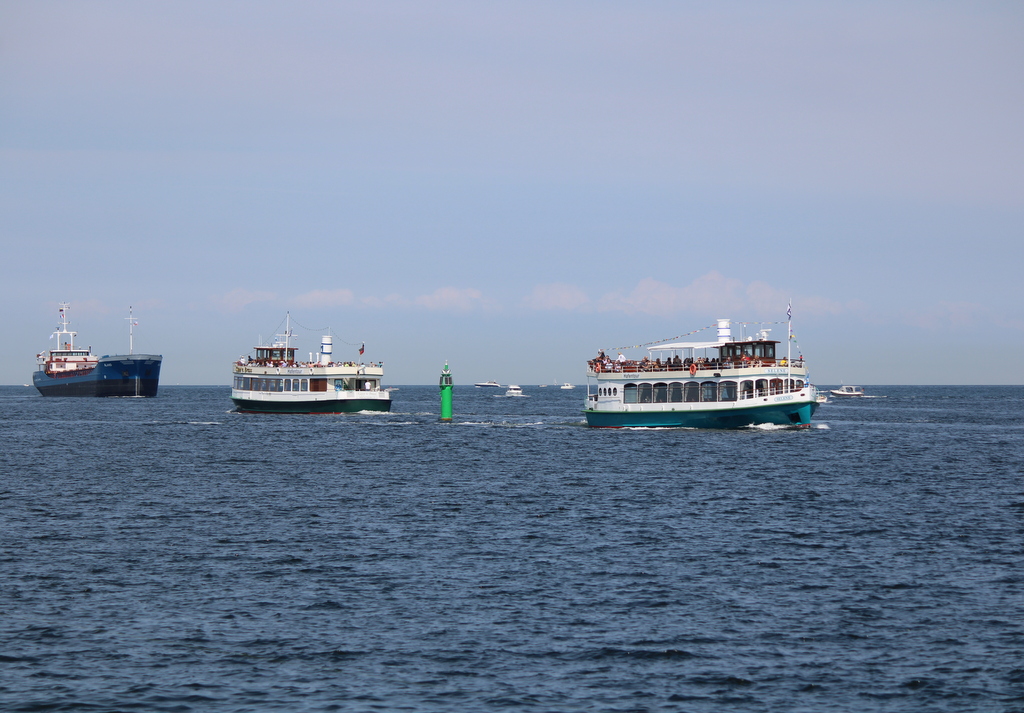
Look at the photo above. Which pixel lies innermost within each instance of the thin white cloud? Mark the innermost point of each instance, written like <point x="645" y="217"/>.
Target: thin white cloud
<point x="557" y="296"/>
<point x="453" y="299"/>
<point x="711" y="294"/>
<point x="325" y="298"/>
<point x="240" y="298"/>
<point x="946" y="315"/>
<point x="392" y="300"/>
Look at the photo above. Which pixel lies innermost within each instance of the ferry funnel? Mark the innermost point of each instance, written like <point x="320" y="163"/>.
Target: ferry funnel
<point x="326" y="349"/>
<point x="724" y="330"/>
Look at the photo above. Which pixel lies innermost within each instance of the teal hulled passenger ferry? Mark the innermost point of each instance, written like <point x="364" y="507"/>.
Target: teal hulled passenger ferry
<point x="723" y="384"/>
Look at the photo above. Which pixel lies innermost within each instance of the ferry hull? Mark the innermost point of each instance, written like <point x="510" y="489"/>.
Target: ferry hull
<point x="790" y="414"/>
<point x="324" y="406"/>
<point x="121" y="375"/>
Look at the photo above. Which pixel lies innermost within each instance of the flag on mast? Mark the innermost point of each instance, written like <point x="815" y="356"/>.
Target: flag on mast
<point x="362" y="348"/>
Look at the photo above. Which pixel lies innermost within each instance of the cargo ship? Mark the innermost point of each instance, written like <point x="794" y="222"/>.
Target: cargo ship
<point x="70" y="370"/>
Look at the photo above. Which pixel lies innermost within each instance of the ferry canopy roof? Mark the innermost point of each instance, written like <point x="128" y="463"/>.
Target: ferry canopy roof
<point x="685" y="345"/>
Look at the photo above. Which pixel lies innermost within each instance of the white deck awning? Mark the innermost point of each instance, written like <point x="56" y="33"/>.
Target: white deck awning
<point x="677" y="346"/>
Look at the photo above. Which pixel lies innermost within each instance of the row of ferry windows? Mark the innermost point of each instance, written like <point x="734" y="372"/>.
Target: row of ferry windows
<point x="695" y="391"/>
<point x="249" y="383"/>
<point x="252" y="383"/>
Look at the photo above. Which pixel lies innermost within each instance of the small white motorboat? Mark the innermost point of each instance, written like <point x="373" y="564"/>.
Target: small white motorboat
<point x="567" y="386"/>
<point x="848" y="391"/>
<point x="488" y="384"/>
<point x="514" y="390"/>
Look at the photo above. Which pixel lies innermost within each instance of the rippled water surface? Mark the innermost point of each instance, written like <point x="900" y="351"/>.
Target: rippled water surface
<point x="169" y="555"/>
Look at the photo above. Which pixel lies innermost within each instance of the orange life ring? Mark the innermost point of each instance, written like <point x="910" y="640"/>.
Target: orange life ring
<point x="597" y="367"/>
<point x="693" y="368"/>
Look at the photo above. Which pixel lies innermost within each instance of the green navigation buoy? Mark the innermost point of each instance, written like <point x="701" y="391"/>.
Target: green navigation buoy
<point x="446" y="393"/>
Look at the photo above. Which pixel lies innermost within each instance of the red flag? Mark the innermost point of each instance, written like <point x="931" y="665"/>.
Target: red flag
<point x="362" y="348"/>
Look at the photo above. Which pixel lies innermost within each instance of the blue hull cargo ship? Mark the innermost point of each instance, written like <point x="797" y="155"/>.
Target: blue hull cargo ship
<point x="73" y="371"/>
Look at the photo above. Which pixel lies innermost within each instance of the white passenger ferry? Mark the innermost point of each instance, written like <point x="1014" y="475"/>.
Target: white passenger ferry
<point x="724" y="384"/>
<point x="272" y="381"/>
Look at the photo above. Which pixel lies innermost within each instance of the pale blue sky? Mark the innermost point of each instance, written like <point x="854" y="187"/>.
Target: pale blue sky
<point x="511" y="186"/>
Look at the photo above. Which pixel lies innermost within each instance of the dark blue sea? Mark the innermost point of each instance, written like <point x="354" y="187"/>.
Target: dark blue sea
<point x="169" y="555"/>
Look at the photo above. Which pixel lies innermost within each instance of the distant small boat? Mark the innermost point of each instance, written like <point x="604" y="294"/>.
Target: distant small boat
<point x="822" y="398"/>
<point x="490" y="384"/>
<point x="848" y="391"/>
<point x="514" y="390"/>
<point x="567" y="386"/>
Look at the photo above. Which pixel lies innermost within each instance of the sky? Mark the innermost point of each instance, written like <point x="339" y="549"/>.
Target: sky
<point x="512" y="186"/>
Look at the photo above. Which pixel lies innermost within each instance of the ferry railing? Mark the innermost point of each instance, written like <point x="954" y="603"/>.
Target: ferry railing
<point x="640" y="368"/>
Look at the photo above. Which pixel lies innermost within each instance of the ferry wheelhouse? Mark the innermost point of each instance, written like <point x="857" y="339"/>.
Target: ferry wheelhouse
<point x="723" y="384"/>
<point x="273" y="381"/>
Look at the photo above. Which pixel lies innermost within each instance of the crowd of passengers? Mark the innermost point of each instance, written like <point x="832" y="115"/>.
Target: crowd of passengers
<point x="603" y="363"/>
<point x="252" y="361"/>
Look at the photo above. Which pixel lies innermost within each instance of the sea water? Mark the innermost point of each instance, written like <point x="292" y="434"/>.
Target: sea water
<point x="168" y="554"/>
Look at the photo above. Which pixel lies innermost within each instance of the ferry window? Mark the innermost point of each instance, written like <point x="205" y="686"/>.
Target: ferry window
<point x="775" y="386"/>
<point x="318" y="384"/>
<point x="287" y="384"/>
<point x="660" y="393"/>
<point x="629" y="393"/>
<point x="758" y="350"/>
<point x="709" y="391"/>
<point x="769" y="351"/>
<point x="746" y="389"/>
<point x="727" y="391"/>
<point x="691" y="392"/>
<point x="748" y="350"/>
<point x="615" y="391"/>
<point x="762" y="387"/>
<point x="645" y="393"/>
<point x="675" y="392"/>
<point x="799" y="384"/>
<point x="305" y="385"/>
